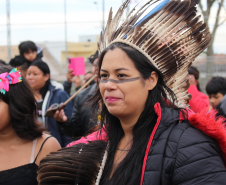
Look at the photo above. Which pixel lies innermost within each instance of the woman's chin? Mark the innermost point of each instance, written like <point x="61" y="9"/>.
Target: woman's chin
<point x="116" y="112"/>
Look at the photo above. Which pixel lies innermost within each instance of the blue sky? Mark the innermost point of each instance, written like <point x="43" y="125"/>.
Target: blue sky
<point x="43" y="20"/>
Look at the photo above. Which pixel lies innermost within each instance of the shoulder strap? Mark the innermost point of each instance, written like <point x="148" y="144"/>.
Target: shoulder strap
<point x="33" y="150"/>
<point x="41" y="147"/>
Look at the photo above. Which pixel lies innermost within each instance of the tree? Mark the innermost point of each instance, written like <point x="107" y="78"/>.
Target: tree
<point x="217" y="22"/>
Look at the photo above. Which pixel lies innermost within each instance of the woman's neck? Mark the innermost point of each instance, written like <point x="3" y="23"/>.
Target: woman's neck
<point x="37" y="95"/>
<point x="127" y="124"/>
<point x="8" y="136"/>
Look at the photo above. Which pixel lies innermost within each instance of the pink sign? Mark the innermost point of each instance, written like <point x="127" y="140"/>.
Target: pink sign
<point x="78" y="65"/>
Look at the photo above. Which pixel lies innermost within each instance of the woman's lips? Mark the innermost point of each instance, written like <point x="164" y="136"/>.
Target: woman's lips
<point x="30" y="82"/>
<point x="111" y="99"/>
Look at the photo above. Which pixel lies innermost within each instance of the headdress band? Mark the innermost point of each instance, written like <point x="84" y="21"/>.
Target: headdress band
<point x="13" y="77"/>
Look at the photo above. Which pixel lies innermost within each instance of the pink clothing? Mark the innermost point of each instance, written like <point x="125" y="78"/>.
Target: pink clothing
<point x="92" y="137"/>
<point x="199" y="100"/>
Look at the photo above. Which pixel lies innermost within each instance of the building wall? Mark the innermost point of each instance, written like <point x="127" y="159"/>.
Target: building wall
<point x="4" y="52"/>
<point x="85" y="49"/>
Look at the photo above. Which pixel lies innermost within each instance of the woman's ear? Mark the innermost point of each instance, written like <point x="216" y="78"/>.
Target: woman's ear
<point x="46" y="77"/>
<point x="152" y="81"/>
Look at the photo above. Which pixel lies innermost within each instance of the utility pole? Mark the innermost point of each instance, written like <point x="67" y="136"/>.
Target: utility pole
<point x="65" y="31"/>
<point x="8" y="30"/>
<point x="103" y="15"/>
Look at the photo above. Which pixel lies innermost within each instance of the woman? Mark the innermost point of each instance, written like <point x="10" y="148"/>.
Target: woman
<point x="22" y="141"/>
<point x="46" y="94"/>
<point x="199" y="100"/>
<point x="151" y="139"/>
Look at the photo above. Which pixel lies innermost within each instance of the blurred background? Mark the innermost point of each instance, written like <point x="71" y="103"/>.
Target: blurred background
<point x="71" y="28"/>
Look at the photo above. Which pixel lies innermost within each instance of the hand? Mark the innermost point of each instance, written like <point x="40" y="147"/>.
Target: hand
<point x="60" y="116"/>
<point x="192" y="80"/>
<point x="70" y="75"/>
<point x="77" y="81"/>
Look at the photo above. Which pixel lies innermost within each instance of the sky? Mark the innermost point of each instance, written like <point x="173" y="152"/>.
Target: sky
<point x="43" y="20"/>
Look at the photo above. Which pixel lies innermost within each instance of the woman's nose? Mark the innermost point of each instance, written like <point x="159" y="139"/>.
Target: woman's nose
<point x="110" y="86"/>
<point x="29" y="76"/>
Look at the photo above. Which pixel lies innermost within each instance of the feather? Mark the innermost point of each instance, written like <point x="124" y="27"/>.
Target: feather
<point x="78" y="164"/>
<point x="171" y="36"/>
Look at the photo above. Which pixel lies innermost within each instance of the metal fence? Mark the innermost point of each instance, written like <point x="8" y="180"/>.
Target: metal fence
<point x="216" y="67"/>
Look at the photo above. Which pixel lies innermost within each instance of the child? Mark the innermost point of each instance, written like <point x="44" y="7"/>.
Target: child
<point x="29" y="52"/>
<point x="216" y="89"/>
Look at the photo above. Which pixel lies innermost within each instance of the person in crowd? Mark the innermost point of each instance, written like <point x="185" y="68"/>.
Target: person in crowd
<point x="82" y="119"/>
<point x="77" y="80"/>
<point x="23" y="143"/>
<point x="150" y="136"/>
<point x="29" y="52"/>
<point x="47" y="93"/>
<point x="199" y="100"/>
<point x="216" y="90"/>
<point x="87" y="77"/>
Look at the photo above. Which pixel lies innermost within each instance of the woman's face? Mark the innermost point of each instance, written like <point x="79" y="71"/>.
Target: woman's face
<point x="123" y="90"/>
<point x="5" y="116"/>
<point x="36" y="77"/>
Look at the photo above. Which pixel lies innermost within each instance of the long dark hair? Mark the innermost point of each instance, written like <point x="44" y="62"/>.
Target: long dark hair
<point x="194" y="71"/>
<point x="45" y="69"/>
<point x="22" y="108"/>
<point x="129" y="170"/>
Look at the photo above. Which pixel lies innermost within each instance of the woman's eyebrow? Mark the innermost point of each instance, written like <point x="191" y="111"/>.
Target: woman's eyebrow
<point x="122" y="68"/>
<point x="119" y="69"/>
<point x="104" y="70"/>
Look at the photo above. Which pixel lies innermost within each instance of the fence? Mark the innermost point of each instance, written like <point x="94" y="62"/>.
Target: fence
<point x="216" y="67"/>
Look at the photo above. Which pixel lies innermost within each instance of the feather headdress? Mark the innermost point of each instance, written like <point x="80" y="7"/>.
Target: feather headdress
<point x="171" y="36"/>
<point x="79" y="164"/>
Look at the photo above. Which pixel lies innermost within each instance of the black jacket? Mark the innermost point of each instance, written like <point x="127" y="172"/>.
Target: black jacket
<point x="221" y="107"/>
<point x="177" y="153"/>
<point x="182" y="155"/>
<point x="82" y="118"/>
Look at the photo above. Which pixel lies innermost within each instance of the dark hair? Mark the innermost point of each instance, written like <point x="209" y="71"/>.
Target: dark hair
<point x="22" y="108"/>
<point x="45" y="69"/>
<point x="216" y="85"/>
<point x="93" y="57"/>
<point x="2" y="62"/>
<point x="25" y="66"/>
<point x="194" y="71"/>
<point x="25" y="46"/>
<point x="129" y="170"/>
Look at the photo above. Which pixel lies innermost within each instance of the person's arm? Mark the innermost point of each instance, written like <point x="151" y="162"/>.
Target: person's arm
<point x="198" y="160"/>
<point x="67" y="87"/>
<point x="67" y="84"/>
<point x="68" y="114"/>
<point x="70" y="125"/>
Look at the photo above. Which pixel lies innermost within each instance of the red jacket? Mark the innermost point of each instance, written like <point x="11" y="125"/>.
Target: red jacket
<point x="199" y="100"/>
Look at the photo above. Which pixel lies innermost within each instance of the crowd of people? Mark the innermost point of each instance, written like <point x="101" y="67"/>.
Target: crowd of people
<point x="143" y="119"/>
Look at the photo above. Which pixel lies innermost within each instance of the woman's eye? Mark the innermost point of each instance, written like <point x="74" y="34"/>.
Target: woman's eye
<point x="104" y="76"/>
<point x="122" y="75"/>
